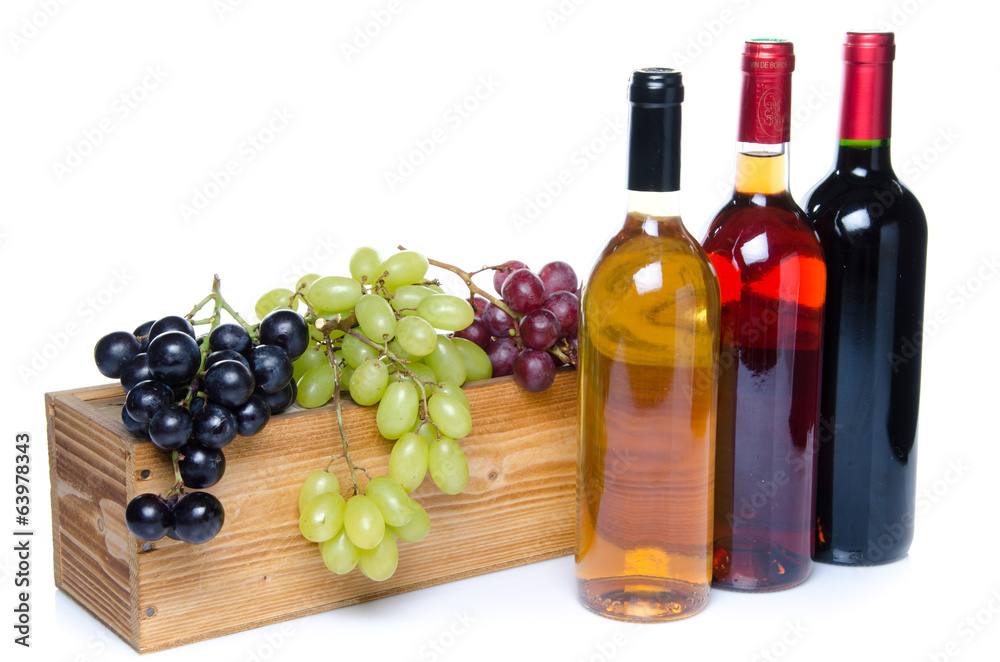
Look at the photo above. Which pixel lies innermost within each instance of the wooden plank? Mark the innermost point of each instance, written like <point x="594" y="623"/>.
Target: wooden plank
<point x="259" y="570"/>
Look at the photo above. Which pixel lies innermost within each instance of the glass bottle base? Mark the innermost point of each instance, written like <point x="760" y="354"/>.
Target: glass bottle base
<point x="857" y="558"/>
<point x="754" y="566"/>
<point x="643" y="599"/>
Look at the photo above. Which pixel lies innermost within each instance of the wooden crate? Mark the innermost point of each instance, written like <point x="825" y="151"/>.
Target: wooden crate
<point x="259" y="570"/>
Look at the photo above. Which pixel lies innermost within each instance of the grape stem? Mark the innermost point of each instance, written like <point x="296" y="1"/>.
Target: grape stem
<point x="178" y="487"/>
<point x="220" y="304"/>
<point x="473" y="288"/>
<point x="328" y="347"/>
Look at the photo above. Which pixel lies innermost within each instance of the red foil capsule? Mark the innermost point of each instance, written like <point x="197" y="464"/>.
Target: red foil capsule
<point x="866" y="111"/>
<point x="765" y="108"/>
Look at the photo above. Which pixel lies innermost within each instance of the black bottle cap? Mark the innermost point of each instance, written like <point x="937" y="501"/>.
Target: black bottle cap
<point x="654" y="146"/>
<point x="655" y="85"/>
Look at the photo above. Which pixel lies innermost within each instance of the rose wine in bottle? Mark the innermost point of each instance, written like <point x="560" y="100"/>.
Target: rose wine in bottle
<point x="874" y="238"/>
<point x="773" y="281"/>
<point x="647" y="346"/>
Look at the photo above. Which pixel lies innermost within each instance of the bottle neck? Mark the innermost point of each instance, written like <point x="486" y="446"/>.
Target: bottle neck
<point x="654" y="147"/>
<point x="762" y="168"/>
<point x="654" y="204"/>
<point x="862" y="156"/>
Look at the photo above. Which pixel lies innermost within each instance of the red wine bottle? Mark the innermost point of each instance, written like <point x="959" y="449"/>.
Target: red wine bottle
<point x="874" y="238"/>
<point x="773" y="283"/>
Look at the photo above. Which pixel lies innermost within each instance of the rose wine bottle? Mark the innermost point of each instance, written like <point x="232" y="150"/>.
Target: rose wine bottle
<point x="874" y="239"/>
<point x="648" y="342"/>
<point x="773" y="282"/>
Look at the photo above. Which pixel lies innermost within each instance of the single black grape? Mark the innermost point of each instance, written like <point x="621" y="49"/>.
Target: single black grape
<point x="498" y="321"/>
<point x="200" y="467"/>
<point x="135" y="370"/>
<point x="171" y="323"/>
<point x="271" y="368"/>
<point x="565" y="306"/>
<point x="173" y="357"/>
<point x="148" y="517"/>
<point x="225" y="355"/>
<point x="214" y="426"/>
<point x="286" y="329"/>
<point x="252" y="415"/>
<point x="197" y="517"/>
<point x="197" y="404"/>
<point x="137" y="429"/>
<point x="506" y="269"/>
<point x="145" y="398"/>
<point x="230" y="336"/>
<point x="279" y="402"/>
<point x="141" y="333"/>
<point x="171" y="427"/>
<point x="114" y="350"/>
<point x="558" y="277"/>
<point x="228" y="383"/>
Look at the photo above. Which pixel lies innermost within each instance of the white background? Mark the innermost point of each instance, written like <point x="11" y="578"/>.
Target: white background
<point x="102" y="244"/>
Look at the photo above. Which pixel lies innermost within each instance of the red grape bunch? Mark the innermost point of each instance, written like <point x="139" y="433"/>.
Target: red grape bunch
<point x="533" y="327"/>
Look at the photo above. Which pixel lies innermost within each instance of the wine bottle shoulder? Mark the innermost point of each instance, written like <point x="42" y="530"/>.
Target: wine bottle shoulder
<point x="851" y="207"/>
<point x="770" y="230"/>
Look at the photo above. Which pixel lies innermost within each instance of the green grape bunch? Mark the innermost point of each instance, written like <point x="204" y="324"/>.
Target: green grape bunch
<point x="382" y="336"/>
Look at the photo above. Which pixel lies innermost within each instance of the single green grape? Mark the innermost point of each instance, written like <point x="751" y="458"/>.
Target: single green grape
<point x="406" y="298"/>
<point x="365" y="265"/>
<point x="379" y="564"/>
<point x="447" y="362"/>
<point x="273" y="300"/>
<point x="455" y="392"/>
<point x="417" y="528"/>
<point x="390" y="497"/>
<point x="375" y="317"/>
<point x="397" y="411"/>
<point x="416" y="336"/>
<point x="408" y="461"/>
<point x="477" y="362"/>
<point x="448" y="466"/>
<point x="315" y="388"/>
<point x="450" y="415"/>
<point x="356" y="351"/>
<point x="339" y="553"/>
<point x="427" y="432"/>
<point x="322" y="517"/>
<point x="447" y="312"/>
<point x="313" y="356"/>
<point x="334" y="293"/>
<point x="316" y="483"/>
<point x="369" y="382"/>
<point x="346" y="375"/>
<point x="363" y="522"/>
<point x="422" y="371"/>
<point x="303" y="283"/>
<point x="404" y="268"/>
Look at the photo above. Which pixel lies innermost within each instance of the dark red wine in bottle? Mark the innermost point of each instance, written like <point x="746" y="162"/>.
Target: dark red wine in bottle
<point x="874" y="238"/>
<point x="772" y="279"/>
